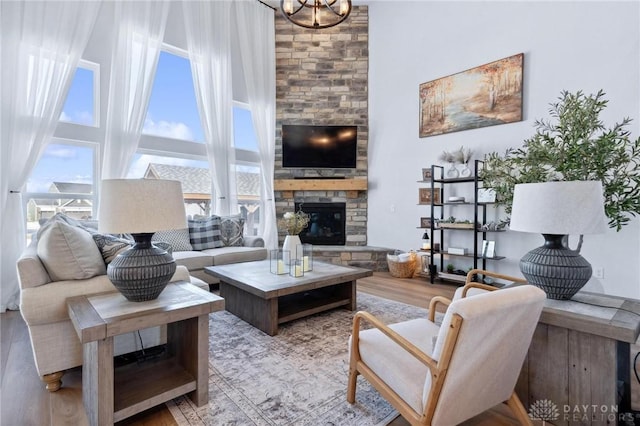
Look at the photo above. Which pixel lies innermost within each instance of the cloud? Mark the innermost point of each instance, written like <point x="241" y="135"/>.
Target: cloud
<point x="169" y="129"/>
<point x="63" y="153"/>
<point x="78" y="117"/>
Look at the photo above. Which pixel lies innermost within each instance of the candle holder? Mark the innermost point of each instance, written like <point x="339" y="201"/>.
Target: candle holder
<point x="296" y="268"/>
<point x="305" y="252"/>
<point x="277" y="262"/>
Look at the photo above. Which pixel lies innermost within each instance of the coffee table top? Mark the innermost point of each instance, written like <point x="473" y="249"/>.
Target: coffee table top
<point x="256" y="277"/>
<point x="98" y="316"/>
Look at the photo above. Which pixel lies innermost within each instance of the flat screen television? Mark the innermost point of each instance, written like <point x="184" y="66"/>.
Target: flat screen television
<point x="322" y="147"/>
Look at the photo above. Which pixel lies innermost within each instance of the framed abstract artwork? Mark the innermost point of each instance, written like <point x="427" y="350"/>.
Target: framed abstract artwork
<point x="487" y="95"/>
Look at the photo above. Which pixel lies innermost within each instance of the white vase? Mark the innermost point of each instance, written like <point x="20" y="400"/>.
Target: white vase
<point x="291" y="246"/>
<point x="452" y="173"/>
<point x="465" y="171"/>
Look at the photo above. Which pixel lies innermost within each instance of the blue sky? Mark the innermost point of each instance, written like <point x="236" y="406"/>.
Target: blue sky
<point x="172" y="113"/>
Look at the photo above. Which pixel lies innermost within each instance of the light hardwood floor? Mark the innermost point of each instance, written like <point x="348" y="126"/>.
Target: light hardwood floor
<point x="24" y="401"/>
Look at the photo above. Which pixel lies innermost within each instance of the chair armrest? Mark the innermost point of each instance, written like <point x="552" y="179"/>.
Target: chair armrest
<point x="253" y="241"/>
<point x="401" y="341"/>
<point x="471" y="284"/>
<point x="434" y="303"/>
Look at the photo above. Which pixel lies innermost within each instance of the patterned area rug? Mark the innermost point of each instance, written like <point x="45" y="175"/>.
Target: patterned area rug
<point x="298" y="377"/>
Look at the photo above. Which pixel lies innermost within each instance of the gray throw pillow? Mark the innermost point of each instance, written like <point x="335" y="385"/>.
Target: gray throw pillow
<point x="231" y="229"/>
<point x="178" y="238"/>
<point x="110" y="246"/>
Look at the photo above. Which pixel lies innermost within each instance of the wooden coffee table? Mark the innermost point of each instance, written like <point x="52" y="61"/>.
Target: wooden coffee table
<point x="112" y="395"/>
<point x="264" y="300"/>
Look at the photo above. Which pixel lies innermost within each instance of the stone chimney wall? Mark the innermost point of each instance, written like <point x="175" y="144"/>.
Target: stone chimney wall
<point x="322" y="79"/>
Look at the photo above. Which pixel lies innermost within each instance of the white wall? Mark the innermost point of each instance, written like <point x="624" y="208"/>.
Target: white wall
<point x="567" y="46"/>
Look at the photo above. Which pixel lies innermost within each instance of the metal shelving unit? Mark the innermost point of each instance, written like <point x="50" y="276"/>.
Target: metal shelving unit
<point x="439" y="185"/>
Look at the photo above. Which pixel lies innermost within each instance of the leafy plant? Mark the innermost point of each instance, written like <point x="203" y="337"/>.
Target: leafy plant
<point x="574" y="145"/>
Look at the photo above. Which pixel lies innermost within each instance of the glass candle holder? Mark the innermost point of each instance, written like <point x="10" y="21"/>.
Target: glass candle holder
<point x="296" y="268"/>
<point x="306" y="254"/>
<point x="277" y="262"/>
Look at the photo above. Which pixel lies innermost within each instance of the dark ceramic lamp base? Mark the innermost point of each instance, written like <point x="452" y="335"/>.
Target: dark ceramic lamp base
<point x="555" y="268"/>
<point x="143" y="271"/>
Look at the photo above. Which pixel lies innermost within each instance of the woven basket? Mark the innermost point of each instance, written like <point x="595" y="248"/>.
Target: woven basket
<point x="403" y="269"/>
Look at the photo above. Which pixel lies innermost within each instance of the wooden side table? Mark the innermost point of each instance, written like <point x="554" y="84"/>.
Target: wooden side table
<point x="579" y="359"/>
<point x="112" y="395"/>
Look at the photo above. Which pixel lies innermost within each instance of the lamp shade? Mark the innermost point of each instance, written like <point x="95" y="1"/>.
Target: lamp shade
<point x="560" y="208"/>
<point x="141" y="206"/>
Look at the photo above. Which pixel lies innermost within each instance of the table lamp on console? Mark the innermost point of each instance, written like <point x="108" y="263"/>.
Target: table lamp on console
<point x="141" y="207"/>
<point x="556" y="209"/>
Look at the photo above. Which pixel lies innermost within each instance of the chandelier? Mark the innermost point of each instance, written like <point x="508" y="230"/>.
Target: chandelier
<point x="316" y="14"/>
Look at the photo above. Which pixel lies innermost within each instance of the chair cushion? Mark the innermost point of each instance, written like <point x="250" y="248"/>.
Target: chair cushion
<point x="492" y="344"/>
<point x="69" y="253"/>
<point x="205" y="233"/>
<point x="396" y="367"/>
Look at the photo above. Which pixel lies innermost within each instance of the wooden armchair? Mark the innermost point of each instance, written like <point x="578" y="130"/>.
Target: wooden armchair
<point x="444" y="375"/>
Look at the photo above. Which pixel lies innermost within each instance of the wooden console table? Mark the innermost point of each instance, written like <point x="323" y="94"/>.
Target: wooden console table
<point x="579" y="359"/>
<point x="112" y="395"/>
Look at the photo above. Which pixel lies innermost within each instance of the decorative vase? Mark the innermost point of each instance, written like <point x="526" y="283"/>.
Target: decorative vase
<point x="465" y="171"/>
<point x="452" y="173"/>
<point x="290" y="248"/>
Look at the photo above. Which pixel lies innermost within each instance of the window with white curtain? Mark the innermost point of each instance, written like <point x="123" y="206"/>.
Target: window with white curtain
<point x="171" y="146"/>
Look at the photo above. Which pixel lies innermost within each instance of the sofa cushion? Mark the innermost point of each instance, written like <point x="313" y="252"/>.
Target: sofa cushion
<point x="205" y="233"/>
<point x="69" y="253"/>
<point x="110" y="246"/>
<point x="226" y="255"/>
<point x="178" y="238"/>
<point x="194" y="259"/>
<point x="231" y="229"/>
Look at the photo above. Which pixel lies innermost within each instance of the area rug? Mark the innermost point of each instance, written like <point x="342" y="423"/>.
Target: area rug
<point x="298" y="377"/>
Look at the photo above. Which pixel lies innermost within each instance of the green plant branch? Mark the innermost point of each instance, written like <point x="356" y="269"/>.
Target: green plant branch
<point x="574" y="144"/>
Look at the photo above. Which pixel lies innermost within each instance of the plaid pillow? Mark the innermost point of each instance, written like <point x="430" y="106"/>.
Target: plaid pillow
<point x="205" y="233"/>
<point x="231" y="228"/>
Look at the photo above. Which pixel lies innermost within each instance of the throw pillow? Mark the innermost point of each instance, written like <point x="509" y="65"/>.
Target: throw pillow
<point x="231" y="229"/>
<point x="178" y="238"/>
<point x="110" y="246"/>
<point x="69" y="253"/>
<point x="205" y="233"/>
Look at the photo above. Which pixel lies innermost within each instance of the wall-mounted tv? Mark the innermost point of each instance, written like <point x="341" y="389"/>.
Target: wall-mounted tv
<point x="322" y="147"/>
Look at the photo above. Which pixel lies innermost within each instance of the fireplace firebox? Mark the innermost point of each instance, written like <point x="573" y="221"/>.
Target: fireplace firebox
<point x="327" y="223"/>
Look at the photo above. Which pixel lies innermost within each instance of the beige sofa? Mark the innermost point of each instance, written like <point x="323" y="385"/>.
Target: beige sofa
<point x="50" y="272"/>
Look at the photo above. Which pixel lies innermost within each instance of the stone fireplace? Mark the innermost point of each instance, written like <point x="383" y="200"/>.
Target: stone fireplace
<point x="326" y="224"/>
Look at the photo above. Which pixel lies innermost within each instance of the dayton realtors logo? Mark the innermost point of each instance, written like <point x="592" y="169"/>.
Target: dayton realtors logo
<point x="547" y="411"/>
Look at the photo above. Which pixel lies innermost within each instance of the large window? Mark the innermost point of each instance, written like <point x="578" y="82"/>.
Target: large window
<point x="171" y="147"/>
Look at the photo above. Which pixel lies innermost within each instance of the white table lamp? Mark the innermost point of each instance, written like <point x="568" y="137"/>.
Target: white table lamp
<point x="141" y="207"/>
<point x="556" y="209"/>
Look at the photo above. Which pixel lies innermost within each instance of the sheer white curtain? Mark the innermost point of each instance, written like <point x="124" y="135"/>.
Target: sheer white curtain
<point x="40" y="48"/>
<point x="208" y="28"/>
<point x="134" y="61"/>
<point x="256" y="32"/>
